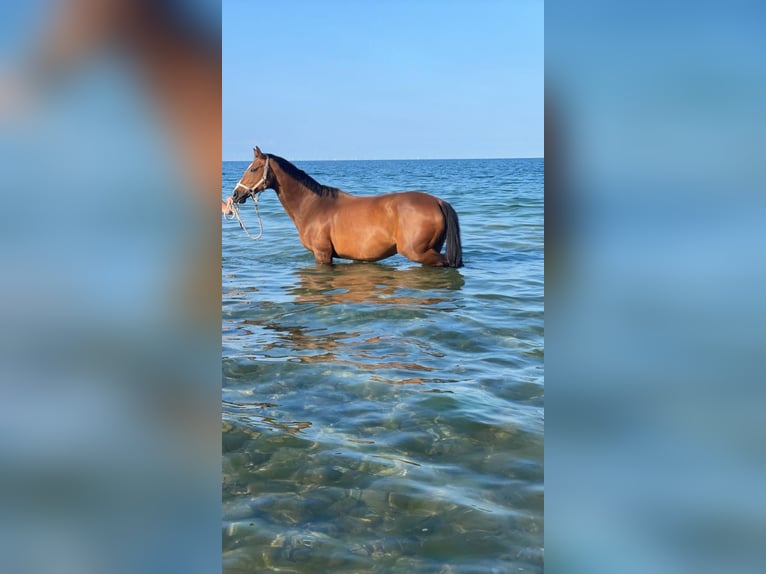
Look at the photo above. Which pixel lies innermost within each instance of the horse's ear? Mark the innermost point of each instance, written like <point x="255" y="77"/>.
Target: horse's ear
<point x="257" y="153"/>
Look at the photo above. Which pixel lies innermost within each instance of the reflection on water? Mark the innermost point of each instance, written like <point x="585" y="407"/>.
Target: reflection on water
<point x="385" y="417"/>
<point x="375" y="284"/>
<point x="248" y="414"/>
<point x="329" y="295"/>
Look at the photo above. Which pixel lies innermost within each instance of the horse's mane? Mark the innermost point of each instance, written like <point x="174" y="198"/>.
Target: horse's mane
<point x="304" y="178"/>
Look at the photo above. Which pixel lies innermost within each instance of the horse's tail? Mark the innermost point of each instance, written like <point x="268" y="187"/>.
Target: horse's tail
<point x="454" y="251"/>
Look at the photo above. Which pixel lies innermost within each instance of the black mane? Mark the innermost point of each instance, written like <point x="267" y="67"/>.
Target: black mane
<point x="304" y="178"/>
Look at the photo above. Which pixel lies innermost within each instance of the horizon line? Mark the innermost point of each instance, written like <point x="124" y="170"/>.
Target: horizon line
<point x="405" y="158"/>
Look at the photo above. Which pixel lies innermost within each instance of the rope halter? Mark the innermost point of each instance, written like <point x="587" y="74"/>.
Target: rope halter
<point x="251" y="190"/>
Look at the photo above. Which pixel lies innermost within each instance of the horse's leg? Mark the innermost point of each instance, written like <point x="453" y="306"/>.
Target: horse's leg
<point x="423" y="250"/>
<point x="319" y="243"/>
<point x="323" y="253"/>
<point x="423" y="246"/>
<point x="427" y="257"/>
<point x="323" y="258"/>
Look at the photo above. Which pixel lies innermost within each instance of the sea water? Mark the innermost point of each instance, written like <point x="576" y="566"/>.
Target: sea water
<point x="387" y="417"/>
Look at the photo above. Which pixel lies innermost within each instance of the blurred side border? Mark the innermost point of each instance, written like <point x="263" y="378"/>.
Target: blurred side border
<point x="654" y="281"/>
<point x="110" y="307"/>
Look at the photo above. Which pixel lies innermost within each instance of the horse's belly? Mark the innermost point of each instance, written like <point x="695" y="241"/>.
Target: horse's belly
<point x="365" y="244"/>
<point x="359" y="254"/>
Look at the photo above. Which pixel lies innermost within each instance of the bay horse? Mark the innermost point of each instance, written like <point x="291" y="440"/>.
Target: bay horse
<point x="332" y="223"/>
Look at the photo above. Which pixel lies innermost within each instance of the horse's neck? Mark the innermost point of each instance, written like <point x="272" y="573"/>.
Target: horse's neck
<point x="296" y="198"/>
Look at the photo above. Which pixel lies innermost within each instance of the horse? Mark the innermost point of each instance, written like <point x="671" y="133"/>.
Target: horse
<point x="332" y="223"/>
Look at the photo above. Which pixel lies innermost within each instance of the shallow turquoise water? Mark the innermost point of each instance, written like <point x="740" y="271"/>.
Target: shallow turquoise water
<point x="386" y="417"/>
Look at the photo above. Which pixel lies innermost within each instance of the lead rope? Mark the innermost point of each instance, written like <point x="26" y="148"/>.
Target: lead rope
<point x="235" y="210"/>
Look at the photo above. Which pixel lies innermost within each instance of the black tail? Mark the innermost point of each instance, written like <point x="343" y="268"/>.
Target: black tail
<point x="454" y="251"/>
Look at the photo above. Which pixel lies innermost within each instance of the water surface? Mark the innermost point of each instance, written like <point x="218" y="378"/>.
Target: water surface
<point x="387" y="417"/>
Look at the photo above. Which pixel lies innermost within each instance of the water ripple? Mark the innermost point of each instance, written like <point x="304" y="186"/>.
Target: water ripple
<point x="387" y="417"/>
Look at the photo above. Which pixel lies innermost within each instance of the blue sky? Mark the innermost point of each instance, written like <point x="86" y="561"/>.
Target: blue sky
<point x="389" y="79"/>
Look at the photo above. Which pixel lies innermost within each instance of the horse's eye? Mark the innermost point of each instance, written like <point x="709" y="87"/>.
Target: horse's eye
<point x="252" y="170"/>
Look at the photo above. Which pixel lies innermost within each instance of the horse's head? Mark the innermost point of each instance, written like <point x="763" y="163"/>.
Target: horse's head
<point x="258" y="177"/>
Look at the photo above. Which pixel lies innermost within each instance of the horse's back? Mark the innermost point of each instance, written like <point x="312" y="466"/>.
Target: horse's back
<point x="380" y="209"/>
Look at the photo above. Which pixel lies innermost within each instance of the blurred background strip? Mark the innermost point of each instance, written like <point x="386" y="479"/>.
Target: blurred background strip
<point x="110" y="155"/>
<point x="655" y="275"/>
